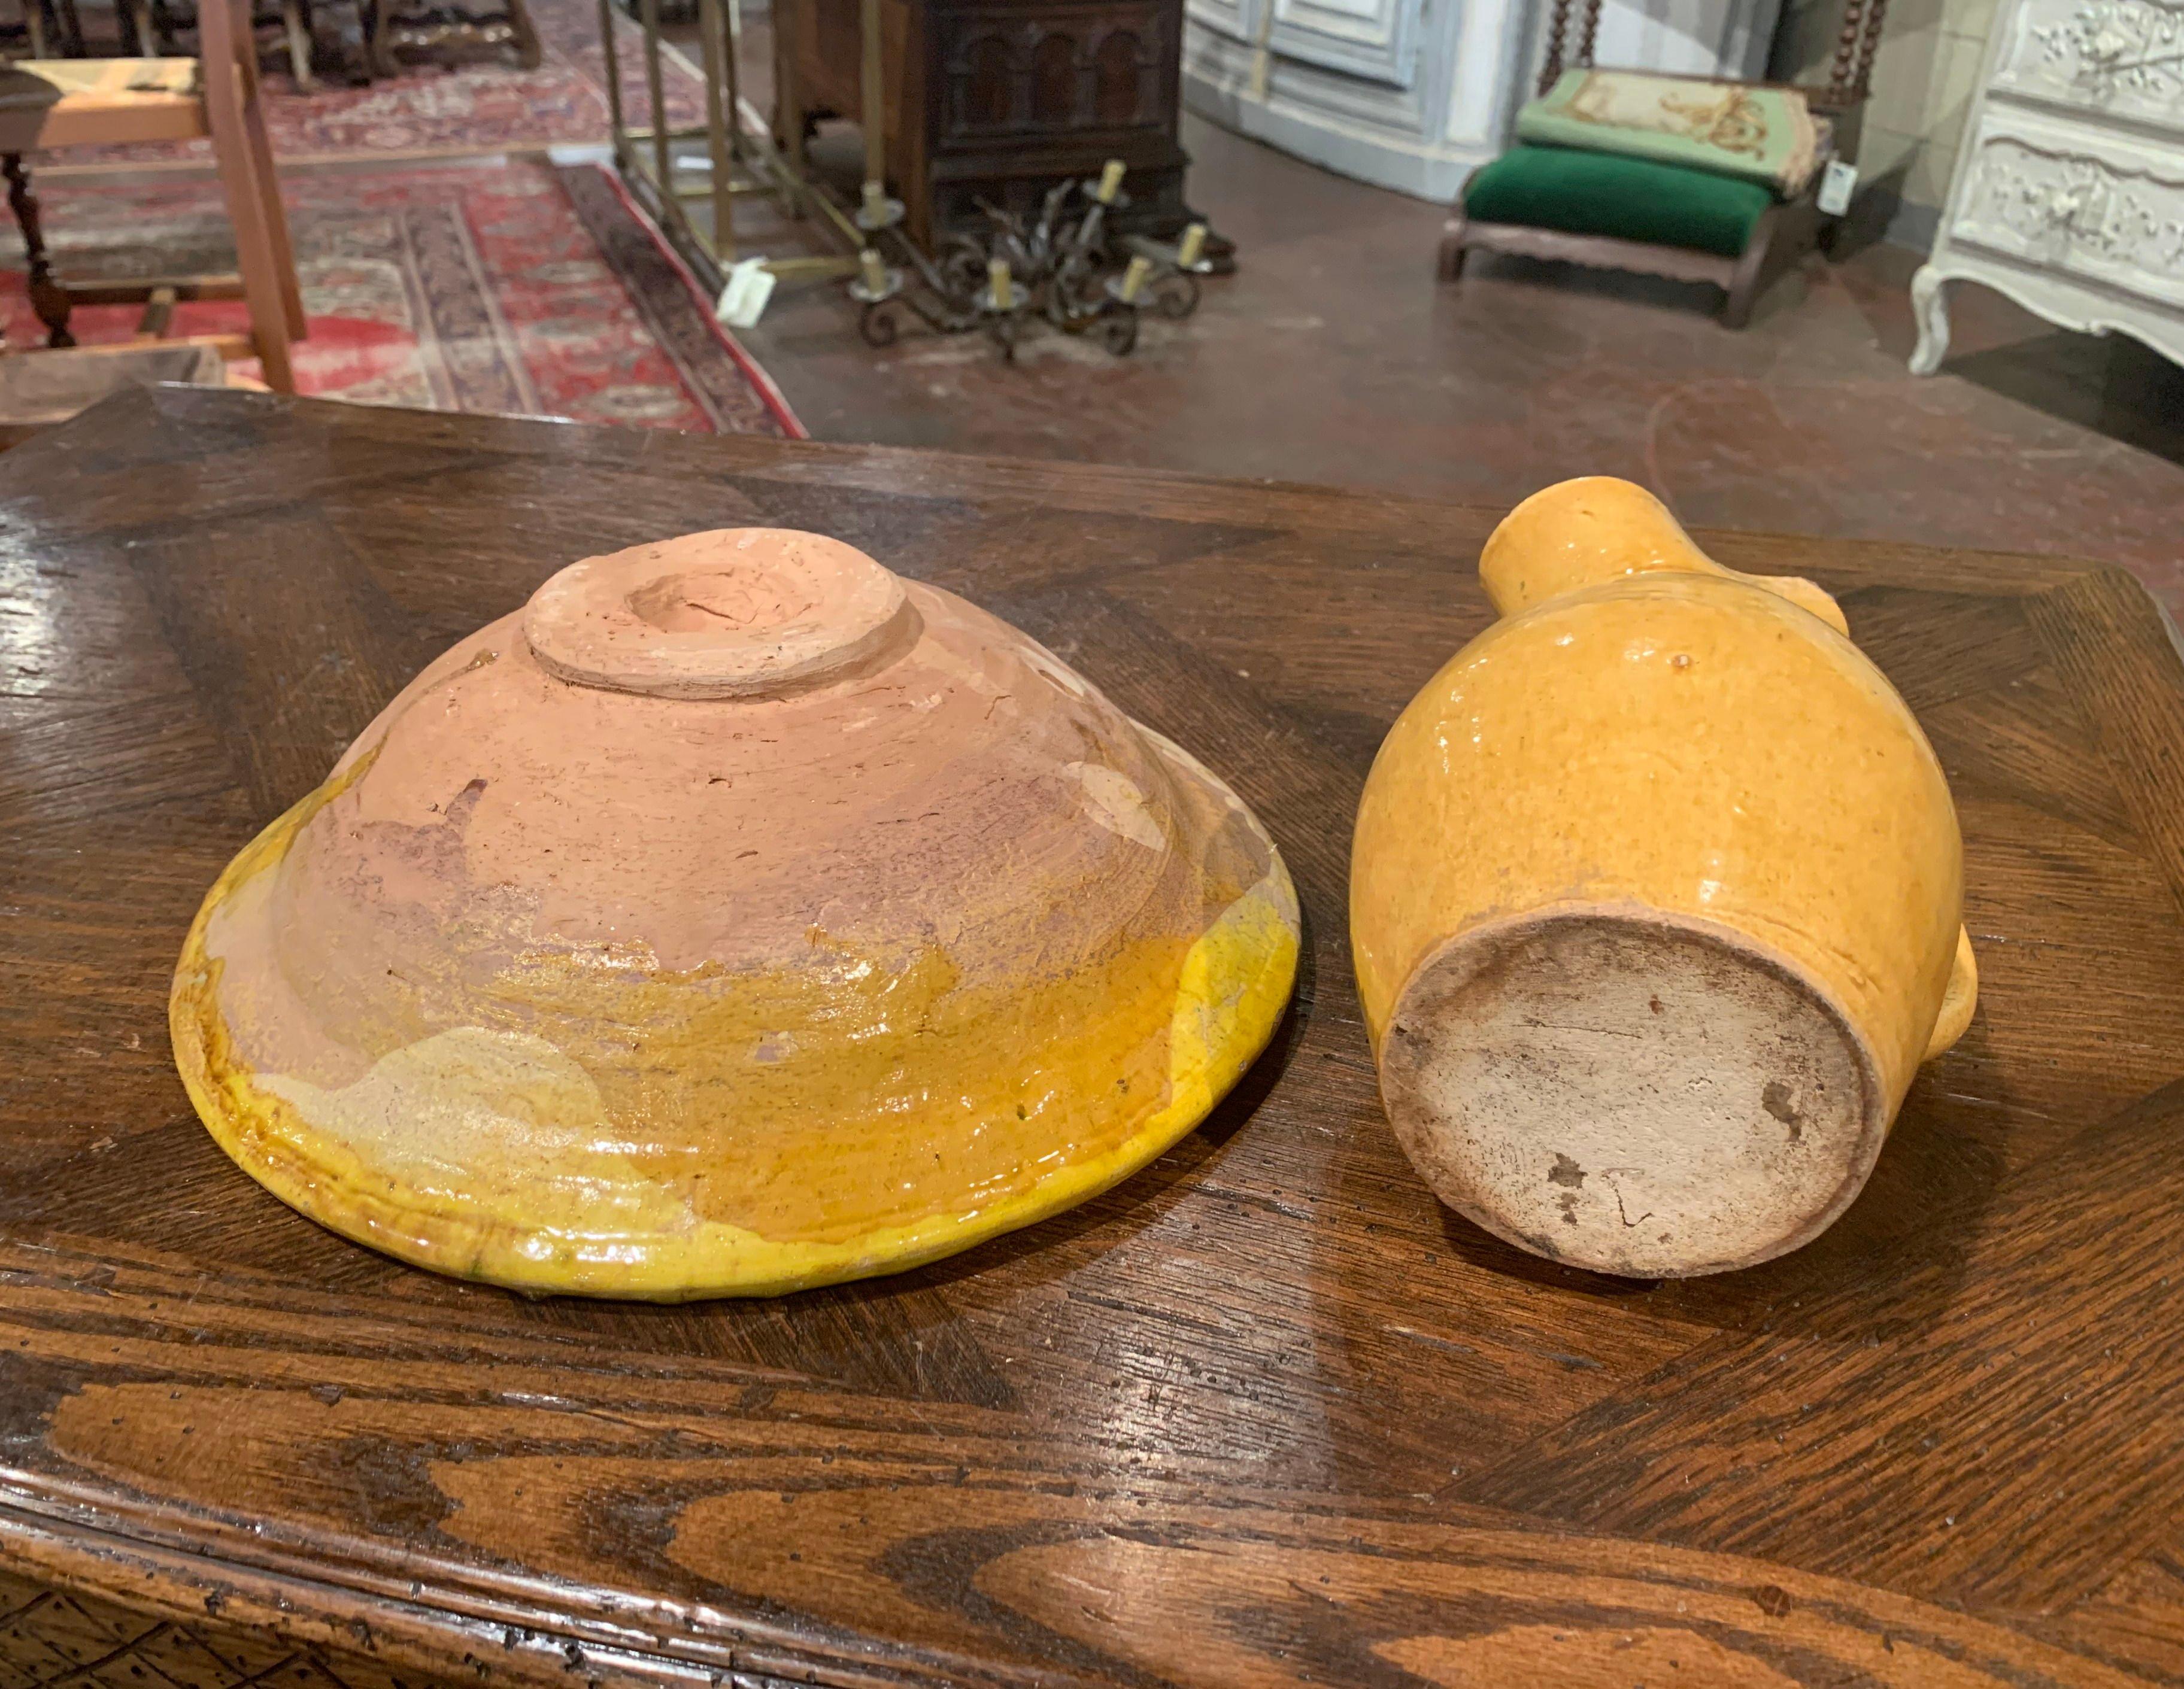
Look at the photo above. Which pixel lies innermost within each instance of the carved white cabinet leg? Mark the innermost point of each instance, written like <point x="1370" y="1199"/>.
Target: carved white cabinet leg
<point x="1929" y="305"/>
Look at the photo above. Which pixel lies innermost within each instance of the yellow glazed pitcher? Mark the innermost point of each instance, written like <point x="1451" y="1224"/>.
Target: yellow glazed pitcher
<point x="1656" y="901"/>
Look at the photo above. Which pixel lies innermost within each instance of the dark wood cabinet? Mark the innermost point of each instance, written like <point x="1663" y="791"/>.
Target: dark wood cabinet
<point x="999" y="99"/>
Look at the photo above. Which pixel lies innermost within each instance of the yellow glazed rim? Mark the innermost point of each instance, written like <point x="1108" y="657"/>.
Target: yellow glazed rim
<point x="1234" y="986"/>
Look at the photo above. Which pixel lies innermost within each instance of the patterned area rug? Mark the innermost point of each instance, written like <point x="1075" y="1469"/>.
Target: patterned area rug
<point x="482" y="107"/>
<point x="481" y="287"/>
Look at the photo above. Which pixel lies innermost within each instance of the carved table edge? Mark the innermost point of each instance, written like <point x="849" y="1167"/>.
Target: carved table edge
<point x="482" y="1635"/>
<point x="494" y="1630"/>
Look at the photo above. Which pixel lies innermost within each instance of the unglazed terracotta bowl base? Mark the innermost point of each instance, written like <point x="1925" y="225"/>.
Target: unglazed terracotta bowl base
<point x="735" y="918"/>
<point x="1232" y="992"/>
<point x="1634" y="1094"/>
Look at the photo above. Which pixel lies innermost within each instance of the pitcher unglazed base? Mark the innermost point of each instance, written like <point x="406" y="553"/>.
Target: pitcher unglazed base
<point x="1631" y="1091"/>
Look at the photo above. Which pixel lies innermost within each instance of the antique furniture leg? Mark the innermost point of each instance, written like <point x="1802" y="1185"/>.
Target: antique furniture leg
<point x="616" y="120"/>
<point x="48" y="298"/>
<point x="380" y="36"/>
<point x="352" y="25"/>
<point x="262" y="250"/>
<point x="871" y="105"/>
<point x="159" y="314"/>
<point x="1451" y="267"/>
<point x="788" y="114"/>
<point x="276" y="213"/>
<point x="663" y="160"/>
<point x="258" y="145"/>
<point x="132" y="29"/>
<point x="1753" y="270"/>
<point x="1453" y="244"/>
<point x="298" y="35"/>
<point x="1930" y="307"/>
<point x="720" y="115"/>
<point x="528" y="52"/>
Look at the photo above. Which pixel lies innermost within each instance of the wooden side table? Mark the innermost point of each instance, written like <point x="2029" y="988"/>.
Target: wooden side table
<point x="997" y="103"/>
<point x="1265" y="1414"/>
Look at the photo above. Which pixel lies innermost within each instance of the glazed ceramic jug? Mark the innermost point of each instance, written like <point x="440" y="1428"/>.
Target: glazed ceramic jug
<point x="735" y="916"/>
<point x="1656" y="901"/>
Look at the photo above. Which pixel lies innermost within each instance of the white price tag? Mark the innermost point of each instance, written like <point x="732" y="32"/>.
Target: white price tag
<point x="1837" y="183"/>
<point x="751" y="284"/>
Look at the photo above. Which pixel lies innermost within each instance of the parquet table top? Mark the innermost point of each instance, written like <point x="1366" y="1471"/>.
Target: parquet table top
<point x="1264" y="1414"/>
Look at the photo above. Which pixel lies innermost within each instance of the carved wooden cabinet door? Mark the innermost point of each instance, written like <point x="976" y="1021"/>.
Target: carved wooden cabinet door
<point x="1051" y="72"/>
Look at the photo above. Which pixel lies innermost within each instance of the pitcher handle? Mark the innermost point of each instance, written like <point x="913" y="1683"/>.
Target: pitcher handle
<point x="1957" y="1002"/>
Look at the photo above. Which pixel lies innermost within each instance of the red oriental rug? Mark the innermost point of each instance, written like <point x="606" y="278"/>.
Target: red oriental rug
<point x="503" y="287"/>
<point x="428" y="109"/>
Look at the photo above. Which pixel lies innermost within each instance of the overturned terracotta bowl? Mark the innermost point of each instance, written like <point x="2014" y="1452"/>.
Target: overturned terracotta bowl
<point x="735" y="917"/>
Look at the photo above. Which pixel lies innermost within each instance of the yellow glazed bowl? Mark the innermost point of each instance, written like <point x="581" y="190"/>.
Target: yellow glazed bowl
<point x="735" y="918"/>
<point x="1656" y="901"/>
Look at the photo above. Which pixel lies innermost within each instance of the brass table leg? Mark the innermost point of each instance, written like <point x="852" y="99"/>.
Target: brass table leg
<point x="789" y="21"/>
<point x="720" y="120"/>
<point x="662" y="159"/>
<point x="615" y="121"/>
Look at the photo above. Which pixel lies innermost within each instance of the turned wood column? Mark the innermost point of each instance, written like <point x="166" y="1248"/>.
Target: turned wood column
<point x="48" y="298"/>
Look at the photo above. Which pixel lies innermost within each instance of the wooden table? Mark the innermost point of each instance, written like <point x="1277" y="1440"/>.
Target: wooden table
<point x="1266" y="1414"/>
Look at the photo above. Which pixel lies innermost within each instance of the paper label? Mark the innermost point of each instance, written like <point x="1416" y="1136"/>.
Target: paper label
<point x="1836" y="183"/>
<point x="751" y="284"/>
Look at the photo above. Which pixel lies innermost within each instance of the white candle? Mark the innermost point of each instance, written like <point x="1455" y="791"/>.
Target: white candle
<point x="1194" y="243"/>
<point x="875" y="271"/>
<point x="1110" y="182"/>
<point x="997" y="278"/>
<point x="875" y="204"/>
<point x="1133" y="278"/>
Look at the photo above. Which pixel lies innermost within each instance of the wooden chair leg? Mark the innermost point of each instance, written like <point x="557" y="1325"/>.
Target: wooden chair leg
<point x="1453" y="249"/>
<point x="268" y="275"/>
<point x="1784" y="234"/>
<point x="260" y="147"/>
<point x="48" y="298"/>
<point x="277" y="226"/>
<point x="1751" y="271"/>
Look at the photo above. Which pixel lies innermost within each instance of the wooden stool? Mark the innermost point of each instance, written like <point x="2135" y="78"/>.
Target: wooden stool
<point x="1775" y="239"/>
<point x="106" y="102"/>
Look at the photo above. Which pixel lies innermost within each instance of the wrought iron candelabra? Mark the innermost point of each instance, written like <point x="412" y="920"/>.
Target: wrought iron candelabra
<point x="1068" y="266"/>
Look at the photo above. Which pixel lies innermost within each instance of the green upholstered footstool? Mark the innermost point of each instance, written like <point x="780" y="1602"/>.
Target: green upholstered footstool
<point x="1622" y="213"/>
